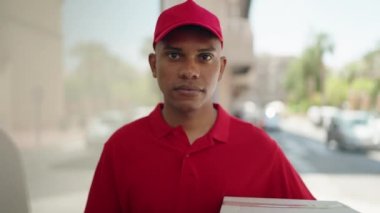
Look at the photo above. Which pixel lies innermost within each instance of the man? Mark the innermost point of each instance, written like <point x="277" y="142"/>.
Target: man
<point x="189" y="152"/>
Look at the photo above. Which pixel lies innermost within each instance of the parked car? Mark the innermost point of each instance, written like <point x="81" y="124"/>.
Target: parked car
<point x="353" y="130"/>
<point x="100" y="127"/>
<point x="314" y="115"/>
<point x="272" y="118"/>
<point x="250" y="112"/>
<point x="321" y="115"/>
<point x="268" y="118"/>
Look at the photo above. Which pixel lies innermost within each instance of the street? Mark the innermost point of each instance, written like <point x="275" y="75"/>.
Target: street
<point x="349" y="177"/>
<point x="59" y="177"/>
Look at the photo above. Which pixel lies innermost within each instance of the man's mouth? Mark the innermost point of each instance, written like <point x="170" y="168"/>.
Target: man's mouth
<point x="185" y="89"/>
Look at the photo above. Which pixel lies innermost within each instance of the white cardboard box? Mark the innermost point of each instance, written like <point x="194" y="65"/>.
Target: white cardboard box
<point x="267" y="205"/>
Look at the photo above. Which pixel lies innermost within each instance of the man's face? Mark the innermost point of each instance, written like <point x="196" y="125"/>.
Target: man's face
<point x="188" y="65"/>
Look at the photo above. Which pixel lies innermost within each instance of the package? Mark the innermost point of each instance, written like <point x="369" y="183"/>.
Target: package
<point x="268" y="205"/>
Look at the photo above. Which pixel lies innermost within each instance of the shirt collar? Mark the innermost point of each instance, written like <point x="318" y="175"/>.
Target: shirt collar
<point x="219" y="131"/>
<point x="159" y="126"/>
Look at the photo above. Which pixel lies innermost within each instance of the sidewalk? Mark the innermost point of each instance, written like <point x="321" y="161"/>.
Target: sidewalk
<point x="54" y="183"/>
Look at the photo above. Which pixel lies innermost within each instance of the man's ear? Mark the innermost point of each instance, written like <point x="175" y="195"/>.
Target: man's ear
<point x="223" y="64"/>
<point x="152" y="63"/>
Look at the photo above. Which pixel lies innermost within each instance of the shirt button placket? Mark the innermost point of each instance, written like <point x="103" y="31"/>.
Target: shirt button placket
<point x="188" y="182"/>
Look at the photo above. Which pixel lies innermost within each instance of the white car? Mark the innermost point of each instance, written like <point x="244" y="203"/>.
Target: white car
<point x="252" y="113"/>
<point x="321" y="115"/>
<point x="272" y="119"/>
<point x="353" y="130"/>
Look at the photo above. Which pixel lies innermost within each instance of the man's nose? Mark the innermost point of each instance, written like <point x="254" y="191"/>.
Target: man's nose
<point x="190" y="70"/>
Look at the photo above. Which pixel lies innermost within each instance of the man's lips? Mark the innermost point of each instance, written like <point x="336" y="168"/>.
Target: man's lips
<point x="188" y="89"/>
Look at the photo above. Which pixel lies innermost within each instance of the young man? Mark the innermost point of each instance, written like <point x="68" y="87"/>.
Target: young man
<point x="189" y="152"/>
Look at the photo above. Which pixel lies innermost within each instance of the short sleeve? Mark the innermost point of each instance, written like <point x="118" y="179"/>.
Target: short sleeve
<point x="103" y="195"/>
<point x="289" y="184"/>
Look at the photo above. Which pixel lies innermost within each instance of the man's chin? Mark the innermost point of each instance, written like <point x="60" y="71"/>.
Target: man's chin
<point x="187" y="106"/>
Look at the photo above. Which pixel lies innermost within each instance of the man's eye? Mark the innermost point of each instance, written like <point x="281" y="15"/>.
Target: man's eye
<point x="173" y="55"/>
<point x="206" y="57"/>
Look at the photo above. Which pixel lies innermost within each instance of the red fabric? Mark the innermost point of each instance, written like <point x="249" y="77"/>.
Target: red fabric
<point x="147" y="166"/>
<point x="187" y="13"/>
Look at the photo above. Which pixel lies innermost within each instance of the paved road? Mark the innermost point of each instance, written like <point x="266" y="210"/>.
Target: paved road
<point x="59" y="177"/>
<point x="349" y="177"/>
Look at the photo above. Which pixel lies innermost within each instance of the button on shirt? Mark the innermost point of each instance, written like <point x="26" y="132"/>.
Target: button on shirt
<point x="148" y="166"/>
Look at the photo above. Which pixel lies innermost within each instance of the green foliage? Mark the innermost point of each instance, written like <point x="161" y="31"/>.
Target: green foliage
<point x="294" y="82"/>
<point x="103" y="80"/>
<point x="336" y="90"/>
<point x="364" y="85"/>
<point x="353" y="70"/>
<point x="372" y="61"/>
<point x="145" y="90"/>
<point x="376" y="90"/>
<point x="308" y="83"/>
<point x="305" y="77"/>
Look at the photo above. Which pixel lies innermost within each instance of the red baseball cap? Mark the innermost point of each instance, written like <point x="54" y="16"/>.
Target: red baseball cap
<point x="187" y="13"/>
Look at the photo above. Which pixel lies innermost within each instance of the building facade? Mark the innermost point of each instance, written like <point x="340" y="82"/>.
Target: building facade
<point x="269" y="79"/>
<point x="31" y="65"/>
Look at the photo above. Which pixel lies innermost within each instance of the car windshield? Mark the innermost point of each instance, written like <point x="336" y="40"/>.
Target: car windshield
<point x="350" y="121"/>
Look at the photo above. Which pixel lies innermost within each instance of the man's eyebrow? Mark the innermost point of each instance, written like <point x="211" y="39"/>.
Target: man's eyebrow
<point x="168" y="47"/>
<point x="210" y="49"/>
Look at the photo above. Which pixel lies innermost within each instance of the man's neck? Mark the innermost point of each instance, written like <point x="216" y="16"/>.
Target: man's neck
<point x="195" y="123"/>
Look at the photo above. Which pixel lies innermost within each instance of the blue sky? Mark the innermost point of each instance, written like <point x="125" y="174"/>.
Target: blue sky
<point x="280" y="27"/>
<point x="122" y="25"/>
<point x="286" y="27"/>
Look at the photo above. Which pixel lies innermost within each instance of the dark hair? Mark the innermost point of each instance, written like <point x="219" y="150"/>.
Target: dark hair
<point x="197" y="28"/>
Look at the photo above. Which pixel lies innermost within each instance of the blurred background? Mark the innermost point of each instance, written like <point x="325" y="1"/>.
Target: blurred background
<point x="71" y="72"/>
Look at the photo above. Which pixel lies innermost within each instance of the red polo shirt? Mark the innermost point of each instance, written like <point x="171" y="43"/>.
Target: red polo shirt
<point x="148" y="166"/>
